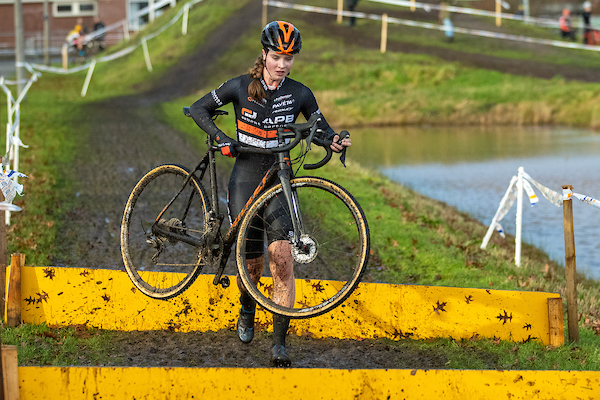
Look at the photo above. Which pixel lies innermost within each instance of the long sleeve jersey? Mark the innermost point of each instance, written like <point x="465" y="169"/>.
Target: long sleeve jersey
<point x="257" y="122"/>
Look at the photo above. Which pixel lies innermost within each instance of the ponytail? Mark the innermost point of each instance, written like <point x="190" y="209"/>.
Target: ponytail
<point x="255" y="88"/>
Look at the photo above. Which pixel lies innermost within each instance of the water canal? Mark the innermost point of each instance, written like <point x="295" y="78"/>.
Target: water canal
<point x="471" y="168"/>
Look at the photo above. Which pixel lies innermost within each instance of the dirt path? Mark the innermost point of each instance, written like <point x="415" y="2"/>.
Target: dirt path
<point x="126" y="140"/>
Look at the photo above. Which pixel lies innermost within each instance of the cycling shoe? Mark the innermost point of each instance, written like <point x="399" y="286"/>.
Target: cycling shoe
<point x="279" y="357"/>
<point x="245" y="326"/>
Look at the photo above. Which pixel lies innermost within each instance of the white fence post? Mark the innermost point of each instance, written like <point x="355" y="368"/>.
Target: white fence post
<point x="184" y="25"/>
<point x="151" y="11"/>
<point x="146" y="54"/>
<point x="126" y="30"/>
<point x="519" y="222"/>
<point x="88" y="78"/>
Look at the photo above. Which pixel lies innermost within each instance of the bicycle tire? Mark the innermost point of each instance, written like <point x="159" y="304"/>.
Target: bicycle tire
<point x="335" y="223"/>
<point x="178" y="264"/>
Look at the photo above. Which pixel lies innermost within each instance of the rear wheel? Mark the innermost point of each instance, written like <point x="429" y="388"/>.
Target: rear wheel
<point x="159" y="265"/>
<point x="334" y="247"/>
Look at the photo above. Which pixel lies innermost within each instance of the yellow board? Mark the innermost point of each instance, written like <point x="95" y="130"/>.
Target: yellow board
<point x="107" y="299"/>
<point x="240" y="383"/>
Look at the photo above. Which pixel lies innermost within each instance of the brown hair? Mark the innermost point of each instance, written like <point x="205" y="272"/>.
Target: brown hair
<point x="255" y="88"/>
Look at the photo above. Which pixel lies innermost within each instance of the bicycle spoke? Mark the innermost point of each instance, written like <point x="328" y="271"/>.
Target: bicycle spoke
<point x="159" y="264"/>
<point x="331" y="254"/>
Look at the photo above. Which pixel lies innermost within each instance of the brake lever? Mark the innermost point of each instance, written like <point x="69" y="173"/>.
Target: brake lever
<point x="311" y="136"/>
<point x="343" y="135"/>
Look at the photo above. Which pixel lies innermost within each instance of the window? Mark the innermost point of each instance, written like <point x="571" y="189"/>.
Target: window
<point x="86" y="8"/>
<point x="74" y="8"/>
<point x="64" y="8"/>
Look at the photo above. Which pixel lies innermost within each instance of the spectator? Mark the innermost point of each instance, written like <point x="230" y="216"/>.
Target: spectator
<point x="587" y="15"/>
<point x="446" y="20"/>
<point x="75" y="37"/>
<point x="351" y="4"/>
<point x="99" y="39"/>
<point x="566" y="29"/>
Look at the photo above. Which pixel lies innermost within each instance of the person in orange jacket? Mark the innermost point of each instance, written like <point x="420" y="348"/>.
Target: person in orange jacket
<point x="566" y="28"/>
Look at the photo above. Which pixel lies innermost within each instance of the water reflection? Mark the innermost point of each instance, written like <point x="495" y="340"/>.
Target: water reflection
<point x="470" y="168"/>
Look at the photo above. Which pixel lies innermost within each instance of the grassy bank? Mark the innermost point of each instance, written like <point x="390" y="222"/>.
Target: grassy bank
<point x="414" y="239"/>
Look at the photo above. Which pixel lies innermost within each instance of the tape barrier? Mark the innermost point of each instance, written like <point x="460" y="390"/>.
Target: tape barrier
<point x="125" y="51"/>
<point x="426" y="25"/>
<point x="473" y="11"/>
<point x="8" y="178"/>
<point x="511" y="195"/>
<point x="9" y="187"/>
<point x="552" y="196"/>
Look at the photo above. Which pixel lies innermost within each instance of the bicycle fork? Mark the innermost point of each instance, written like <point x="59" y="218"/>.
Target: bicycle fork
<point x="291" y="198"/>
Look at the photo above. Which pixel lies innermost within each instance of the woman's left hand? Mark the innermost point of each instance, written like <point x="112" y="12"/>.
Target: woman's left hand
<point x="338" y="147"/>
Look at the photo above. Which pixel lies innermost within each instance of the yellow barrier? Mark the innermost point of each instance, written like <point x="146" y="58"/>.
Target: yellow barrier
<point x="107" y="299"/>
<point x="235" y="383"/>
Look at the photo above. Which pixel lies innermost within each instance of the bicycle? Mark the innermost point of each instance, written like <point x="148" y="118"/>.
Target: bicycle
<point x="171" y="228"/>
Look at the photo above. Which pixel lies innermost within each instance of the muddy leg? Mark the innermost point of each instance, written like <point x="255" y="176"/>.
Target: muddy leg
<point x="281" y="265"/>
<point x="255" y="267"/>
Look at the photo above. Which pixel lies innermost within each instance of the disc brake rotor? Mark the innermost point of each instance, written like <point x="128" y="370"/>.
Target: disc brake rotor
<point x="309" y="251"/>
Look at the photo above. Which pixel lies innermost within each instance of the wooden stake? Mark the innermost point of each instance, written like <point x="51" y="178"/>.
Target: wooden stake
<point x="570" y="269"/>
<point x="65" y="56"/>
<point x="498" y="12"/>
<point x="556" y="322"/>
<point x="10" y="374"/>
<point x="384" y="25"/>
<point x="340" y="8"/>
<point x="264" y="13"/>
<point x="13" y="305"/>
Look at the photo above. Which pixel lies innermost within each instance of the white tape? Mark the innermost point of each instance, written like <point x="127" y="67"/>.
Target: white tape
<point x="552" y="196"/>
<point x="474" y="11"/>
<point x="425" y="25"/>
<point x="533" y="199"/>
<point x="587" y="199"/>
<point x="9" y="187"/>
<point x="15" y="141"/>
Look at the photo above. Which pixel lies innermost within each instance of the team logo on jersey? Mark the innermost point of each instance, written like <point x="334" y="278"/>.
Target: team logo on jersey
<point x="251" y="100"/>
<point x="249" y="113"/>
<point x="280" y="119"/>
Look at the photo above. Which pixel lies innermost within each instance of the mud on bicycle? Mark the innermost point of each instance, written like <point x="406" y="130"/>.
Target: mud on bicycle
<point x="171" y="228"/>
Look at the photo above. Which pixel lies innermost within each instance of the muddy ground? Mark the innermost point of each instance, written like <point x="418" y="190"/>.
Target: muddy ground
<point x="126" y="140"/>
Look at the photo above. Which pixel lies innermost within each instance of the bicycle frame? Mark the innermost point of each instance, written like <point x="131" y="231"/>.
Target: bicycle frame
<point x="221" y="247"/>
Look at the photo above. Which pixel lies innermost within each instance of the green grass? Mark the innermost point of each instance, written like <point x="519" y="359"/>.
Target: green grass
<point x="43" y="345"/>
<point x="414" y="239"/>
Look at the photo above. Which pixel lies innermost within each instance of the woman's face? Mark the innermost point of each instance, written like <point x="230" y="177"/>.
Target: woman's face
<point x="277" y="66"/>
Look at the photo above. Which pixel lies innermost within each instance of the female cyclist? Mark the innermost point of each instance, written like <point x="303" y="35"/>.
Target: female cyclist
<point x="264" y="100"/>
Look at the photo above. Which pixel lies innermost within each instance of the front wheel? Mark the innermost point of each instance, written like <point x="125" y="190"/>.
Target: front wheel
<point x="330" y="258"/>
<point x="162" y="265"/>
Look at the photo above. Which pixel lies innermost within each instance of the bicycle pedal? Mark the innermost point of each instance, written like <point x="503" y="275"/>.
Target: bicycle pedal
<point x="225" y="282"/>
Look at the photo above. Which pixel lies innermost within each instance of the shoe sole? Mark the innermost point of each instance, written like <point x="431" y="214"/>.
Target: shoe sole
<point x="281" y="363"/>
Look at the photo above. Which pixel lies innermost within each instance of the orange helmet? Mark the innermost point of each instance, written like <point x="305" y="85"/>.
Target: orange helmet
<point x="281" y="37"/>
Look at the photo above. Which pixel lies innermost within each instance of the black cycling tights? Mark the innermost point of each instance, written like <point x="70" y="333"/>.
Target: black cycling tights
<point x="274" y="221"/>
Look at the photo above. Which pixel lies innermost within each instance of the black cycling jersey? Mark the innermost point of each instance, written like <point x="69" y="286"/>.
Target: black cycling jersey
<point x="256" y="125"/>
<point x="257" y="122"/>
